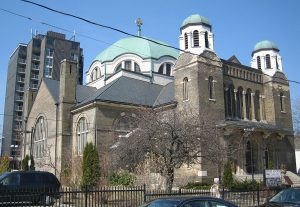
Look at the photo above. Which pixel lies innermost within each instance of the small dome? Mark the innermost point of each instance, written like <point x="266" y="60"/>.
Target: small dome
<point x="265" y="44"/>
<point x="138" y="46"/>
<point x="195" y="19"/>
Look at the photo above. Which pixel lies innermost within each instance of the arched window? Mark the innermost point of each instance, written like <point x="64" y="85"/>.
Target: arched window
<point x="257" y="106"/>
<point x="81" y="132"/>
<point x="258" y="62"/>
<point x="206" y="40"/>
<point x="196" y="38"/>
<point x="248" y="104"/>
<point x="239" y="103"/>
<point x="128" y="65"/>
<point x="165" y="67"/>
<point x="40" y="138"/>
<point x="161" y="69"/>
<point x="281" y="99"/>
<point x="137" y="68"/>
<point x="211" y="87"/>
<point x="186" y="43"/>
<point x="268" y="61"/>
<point x="185" y="90"/>
<point x="249" y="157"/>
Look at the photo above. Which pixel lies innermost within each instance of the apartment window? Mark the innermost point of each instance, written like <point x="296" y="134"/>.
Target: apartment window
<point x="74" y="57"/>
<point x="82" y="133"/>
<point x="196" y="38"/>
<point x="40" y="138"/>
<point x="49" y="52"/>
<point x="185" y="91"/>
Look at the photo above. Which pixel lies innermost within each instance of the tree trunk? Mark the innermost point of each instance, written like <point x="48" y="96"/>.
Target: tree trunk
<point x="169" y="179"/>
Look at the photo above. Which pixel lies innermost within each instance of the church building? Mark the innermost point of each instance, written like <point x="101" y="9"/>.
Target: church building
<point x="251" y="104"/>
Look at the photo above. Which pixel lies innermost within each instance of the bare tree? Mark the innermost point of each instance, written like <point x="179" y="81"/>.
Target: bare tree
<point x="172" y="138"/>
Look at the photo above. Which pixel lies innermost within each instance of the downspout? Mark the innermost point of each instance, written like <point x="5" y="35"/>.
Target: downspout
<point x="56" y="134"/>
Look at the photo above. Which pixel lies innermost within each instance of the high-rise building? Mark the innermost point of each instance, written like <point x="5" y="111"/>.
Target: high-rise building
<point x="28" y="64"/>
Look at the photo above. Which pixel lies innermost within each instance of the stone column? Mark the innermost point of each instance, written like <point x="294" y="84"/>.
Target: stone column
<point x="244" y="106"/>
<point x="252" y="107"/>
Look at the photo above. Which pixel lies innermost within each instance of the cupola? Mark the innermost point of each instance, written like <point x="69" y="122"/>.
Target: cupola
<point x="265" y="57"/>
<point x="196" y="35"/>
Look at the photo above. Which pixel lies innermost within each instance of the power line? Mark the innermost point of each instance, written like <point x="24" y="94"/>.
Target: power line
<point x="104" y="26"/>
<point x="109" y="27"/>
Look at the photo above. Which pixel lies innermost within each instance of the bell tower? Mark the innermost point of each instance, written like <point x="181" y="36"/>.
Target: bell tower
<point x="196" y="35"/>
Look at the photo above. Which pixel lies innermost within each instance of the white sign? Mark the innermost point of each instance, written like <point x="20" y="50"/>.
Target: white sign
<point x="273" y="174"/>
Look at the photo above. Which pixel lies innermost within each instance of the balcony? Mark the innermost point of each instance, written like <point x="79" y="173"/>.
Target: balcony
<point x="18" y="127"/>
<point x="21" y="70"/>
<point x="34" y="76"/>
<point x="20" y="79"/>
<point x="20" y="89"/>
<point x="18" y="118"/>
<point x="19" y="108"/>
<point x="22" y="61"/>
<point x="35" y="67"/>
<point x="36" y="57"/>
<point x="19" y="98"/>
<point x="34" y="85"/>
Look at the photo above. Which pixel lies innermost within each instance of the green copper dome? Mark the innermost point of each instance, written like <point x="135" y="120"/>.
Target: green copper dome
<point x="265" y="44"/>
<point x="134" y="45"/>
<point x="195" y="19"/>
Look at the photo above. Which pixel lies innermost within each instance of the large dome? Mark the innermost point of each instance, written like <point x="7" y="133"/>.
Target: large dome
<point x="195" y="19"/>
<point x="265" y="44"/>
<point x="138" y="46"/>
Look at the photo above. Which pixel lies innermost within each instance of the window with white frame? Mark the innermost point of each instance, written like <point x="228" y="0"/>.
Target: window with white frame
<point x="128" y="65"/>
<point x="48" y="63"/>
<point x="165" y="69"/>
<point x="40" y="138"/>
<point x="81" y="132"/>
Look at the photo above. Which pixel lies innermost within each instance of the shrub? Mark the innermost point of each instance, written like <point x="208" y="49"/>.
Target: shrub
<point x="25" y="166"/>
<point x="122" y="178"/>
<point x="197" y="186"/>
<point x="245" y="185"/>
<point x="227" y="176"/>
<point x="4" y="164"/>
<point x="90" y="166"/>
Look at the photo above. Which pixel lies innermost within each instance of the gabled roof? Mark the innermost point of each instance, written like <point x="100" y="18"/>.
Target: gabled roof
<point x="234" y="59"/>
<point x="126" y="90"/>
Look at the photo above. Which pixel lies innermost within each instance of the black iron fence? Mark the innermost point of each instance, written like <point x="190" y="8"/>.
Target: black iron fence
<point x="119" y="197"/>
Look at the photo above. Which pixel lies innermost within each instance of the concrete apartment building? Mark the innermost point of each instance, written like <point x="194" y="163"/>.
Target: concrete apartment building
<point x="28" y="64"/>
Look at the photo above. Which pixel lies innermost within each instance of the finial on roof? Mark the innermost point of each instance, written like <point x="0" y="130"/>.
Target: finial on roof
<point x="139" y="23"/>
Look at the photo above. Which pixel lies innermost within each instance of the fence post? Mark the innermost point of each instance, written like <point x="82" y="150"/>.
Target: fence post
<point x="258" y="197"/>
<point x="223" y="192"/>
<point x="86" y="196"/>
<point x="145" y="196"/>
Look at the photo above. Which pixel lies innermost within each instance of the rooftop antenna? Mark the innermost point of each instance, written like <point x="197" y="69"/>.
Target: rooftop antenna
<point x="73" y="36"/>
<point x="139" y="23"/>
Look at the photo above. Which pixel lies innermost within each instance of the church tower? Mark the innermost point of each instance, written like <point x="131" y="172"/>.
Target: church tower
<point x="196" y="35"/>
<point x="265" y="57"/>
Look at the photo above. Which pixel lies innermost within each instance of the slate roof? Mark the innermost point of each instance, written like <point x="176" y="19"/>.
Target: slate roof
<point x="125" y="90"/>
<point x="81" y="91"/>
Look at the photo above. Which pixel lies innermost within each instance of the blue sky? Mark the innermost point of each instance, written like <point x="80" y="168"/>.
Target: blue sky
<point x="237" y="25"/>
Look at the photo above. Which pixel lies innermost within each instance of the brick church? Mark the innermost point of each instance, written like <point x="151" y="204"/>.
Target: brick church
<point x="135" y="72"/>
